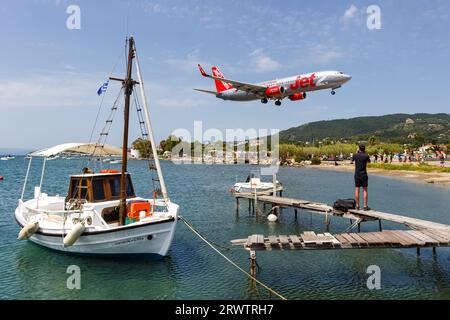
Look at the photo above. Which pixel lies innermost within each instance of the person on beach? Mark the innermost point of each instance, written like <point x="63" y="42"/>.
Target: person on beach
<point x="361" y="178"/>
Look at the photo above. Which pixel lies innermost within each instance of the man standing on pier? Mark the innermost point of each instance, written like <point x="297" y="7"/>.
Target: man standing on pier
<point x="361" y="179"/>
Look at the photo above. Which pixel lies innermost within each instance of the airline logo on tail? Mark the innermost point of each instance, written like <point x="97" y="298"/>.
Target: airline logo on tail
<point x="220" y="85"/>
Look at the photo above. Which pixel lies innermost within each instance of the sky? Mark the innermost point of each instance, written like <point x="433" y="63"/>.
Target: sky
<point x="49" y="74"/>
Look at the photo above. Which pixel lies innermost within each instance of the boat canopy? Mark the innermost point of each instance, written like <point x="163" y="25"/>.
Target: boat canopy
<point x="79" y="148"/>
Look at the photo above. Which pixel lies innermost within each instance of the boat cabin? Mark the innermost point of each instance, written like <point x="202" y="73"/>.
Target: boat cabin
<point x="98" y="187"/>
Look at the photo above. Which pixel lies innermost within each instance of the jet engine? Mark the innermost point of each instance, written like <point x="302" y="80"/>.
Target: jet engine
<point x="297" y="96"/>
<point x="276" y="91"/>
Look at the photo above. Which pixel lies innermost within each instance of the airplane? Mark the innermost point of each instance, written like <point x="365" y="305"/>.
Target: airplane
<point x="294" y="88"/>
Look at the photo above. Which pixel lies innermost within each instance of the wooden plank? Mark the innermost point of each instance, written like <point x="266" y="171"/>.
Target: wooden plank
<point x="308" y="237"/>
<point x="341" y="239"/>
<point x="325" y="239"/>
<point x="334" y="240"/>
<point x="402" y="219"/>
<point x="404" y="240"/>
<point x="391" y="239"/>
<point x="442" y="234"/>
<point x="284" y="241"/>
<point x="381" y="237"/>
<point x="260" y="240"/>
<point x="249" y="241"/>
<point x="369" y="238"/>
<point x="423" y="237"/>
<point x="358" y="239"/>
<point x="349" y="238"/>
<point x="295" y="241"/>
<point x="418" y="241"/>
<point x="438" y="237"/>
<point x="273" y="240"/>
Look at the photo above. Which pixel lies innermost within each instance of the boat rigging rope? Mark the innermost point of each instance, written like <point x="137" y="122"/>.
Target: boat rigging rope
<point x="229" y="260"/>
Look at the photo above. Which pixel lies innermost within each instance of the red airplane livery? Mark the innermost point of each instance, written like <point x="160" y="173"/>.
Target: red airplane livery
<point x="294" y="88"/>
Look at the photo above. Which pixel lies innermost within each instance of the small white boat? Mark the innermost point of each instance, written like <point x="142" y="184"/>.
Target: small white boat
<point x="115" y="161"/>
<point x="101" y="214"/>
<point x="6" y="158"/>
<point x="256" y="185"/>
<point x="53" y="157"/>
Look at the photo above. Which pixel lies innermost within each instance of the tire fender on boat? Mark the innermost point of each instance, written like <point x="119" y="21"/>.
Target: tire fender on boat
<point x="74" y="234"/>
<point x="28" y="230"/>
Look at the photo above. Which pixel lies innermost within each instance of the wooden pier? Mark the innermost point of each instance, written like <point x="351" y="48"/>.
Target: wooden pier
<point x="365" y="240"/>
<point x="423" y="233"/>
<point x="327" y="210"/>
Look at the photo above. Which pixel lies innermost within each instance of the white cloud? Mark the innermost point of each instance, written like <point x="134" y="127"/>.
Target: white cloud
<point x="66" y="89"/>
<point x="261" y="62"/>
<point x="187" y="64"/>
<point x="351" y="12"/>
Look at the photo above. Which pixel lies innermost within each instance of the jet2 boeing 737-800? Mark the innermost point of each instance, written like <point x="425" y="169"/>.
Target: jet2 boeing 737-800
<point x="294" y="88"/>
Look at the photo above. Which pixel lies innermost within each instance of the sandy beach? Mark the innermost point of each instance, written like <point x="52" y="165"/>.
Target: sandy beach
<point x="441" y="178"/>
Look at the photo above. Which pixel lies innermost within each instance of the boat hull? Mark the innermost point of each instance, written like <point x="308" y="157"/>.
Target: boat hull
<point x="152" y="239"/>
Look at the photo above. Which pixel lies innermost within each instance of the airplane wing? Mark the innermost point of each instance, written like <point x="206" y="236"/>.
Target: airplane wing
<point x="247" y="87"/>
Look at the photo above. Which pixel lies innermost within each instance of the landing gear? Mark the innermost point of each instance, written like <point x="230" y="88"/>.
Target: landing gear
<point x="263" y="100"/>
<point x="278" y="103"/>
<point x="333" y="92"/>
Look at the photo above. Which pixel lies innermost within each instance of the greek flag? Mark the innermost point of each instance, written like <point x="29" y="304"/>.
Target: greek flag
<point x="103" y="88"/>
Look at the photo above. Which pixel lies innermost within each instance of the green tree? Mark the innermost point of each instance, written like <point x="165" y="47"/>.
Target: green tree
<point x="143" y="146"/>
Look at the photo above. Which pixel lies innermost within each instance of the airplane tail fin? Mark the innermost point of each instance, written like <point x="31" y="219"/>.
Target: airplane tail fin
<point x="220" y="85"/>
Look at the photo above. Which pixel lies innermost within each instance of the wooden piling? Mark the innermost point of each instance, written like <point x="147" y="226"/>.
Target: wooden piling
<point x="253" y="263"/>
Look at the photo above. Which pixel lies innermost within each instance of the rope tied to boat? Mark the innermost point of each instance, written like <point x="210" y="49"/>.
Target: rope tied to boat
<point x="197" y="233"/>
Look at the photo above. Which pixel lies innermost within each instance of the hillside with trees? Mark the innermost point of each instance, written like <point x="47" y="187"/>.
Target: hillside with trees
<point x="413" y="129"/>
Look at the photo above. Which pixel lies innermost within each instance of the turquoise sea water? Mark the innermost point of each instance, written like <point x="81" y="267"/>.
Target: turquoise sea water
<point x="193" y="271"/>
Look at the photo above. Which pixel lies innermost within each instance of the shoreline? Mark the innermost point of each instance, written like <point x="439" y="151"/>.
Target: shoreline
<point x="435" y="178"/>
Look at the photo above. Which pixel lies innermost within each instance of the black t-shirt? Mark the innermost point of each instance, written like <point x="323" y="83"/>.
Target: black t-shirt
<point x="361" y="159"/>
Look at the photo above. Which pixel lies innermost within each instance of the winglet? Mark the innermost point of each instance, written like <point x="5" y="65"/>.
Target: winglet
<point x="202" y="71"/>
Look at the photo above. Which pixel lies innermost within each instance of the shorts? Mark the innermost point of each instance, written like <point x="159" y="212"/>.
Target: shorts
<point x="361" y="181"/>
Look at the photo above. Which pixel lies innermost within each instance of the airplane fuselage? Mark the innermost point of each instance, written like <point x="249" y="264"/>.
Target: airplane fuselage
<point x="292" y="85"/>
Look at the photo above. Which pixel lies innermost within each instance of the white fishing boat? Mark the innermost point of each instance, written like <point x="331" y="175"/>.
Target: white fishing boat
<point x="6" y="158"/>
<point x="256" y="185"/>
<point x="101" y="214"/>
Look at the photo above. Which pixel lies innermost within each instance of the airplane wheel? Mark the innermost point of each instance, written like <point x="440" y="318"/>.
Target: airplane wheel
<point x="278" y="103"/>
<point x="333" y="93"/>
<point x="264" y="100"/>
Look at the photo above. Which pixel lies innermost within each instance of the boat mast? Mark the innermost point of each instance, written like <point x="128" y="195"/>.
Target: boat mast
<point x="150" y="132"/>
<point x="128" y="84"/>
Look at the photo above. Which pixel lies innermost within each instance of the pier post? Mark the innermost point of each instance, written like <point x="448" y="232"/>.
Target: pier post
<point x="434" y="251"/>
<point x="379" y="224"/>
<point x="418" y="251"/>
<point x="253" y="263"/>
<point x="295" y="212"/>
<point x="327" y="222"/>
<point x="237" y="206"/>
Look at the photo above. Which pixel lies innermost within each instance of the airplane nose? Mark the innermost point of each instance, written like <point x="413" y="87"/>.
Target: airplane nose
<point x="347" y="77"/>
